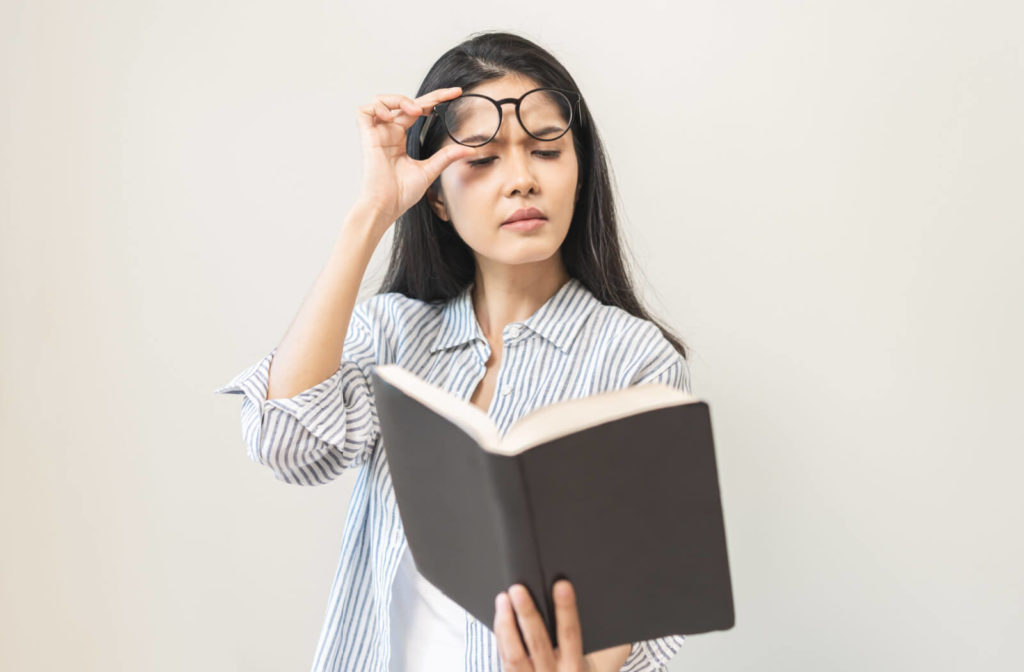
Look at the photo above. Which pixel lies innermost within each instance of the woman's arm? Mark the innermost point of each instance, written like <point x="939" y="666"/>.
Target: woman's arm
<point x="308" y="411"/>
<point x="312" y="345"/>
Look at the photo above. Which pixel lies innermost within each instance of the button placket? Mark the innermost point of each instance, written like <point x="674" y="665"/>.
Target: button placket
<point x="514" y="330"/>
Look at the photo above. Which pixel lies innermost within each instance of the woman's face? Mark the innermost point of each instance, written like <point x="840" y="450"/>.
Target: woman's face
<point x="511" y="172"/>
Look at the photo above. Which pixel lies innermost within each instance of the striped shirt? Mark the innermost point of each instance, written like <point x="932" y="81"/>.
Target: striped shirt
<point x="573" y="346"/>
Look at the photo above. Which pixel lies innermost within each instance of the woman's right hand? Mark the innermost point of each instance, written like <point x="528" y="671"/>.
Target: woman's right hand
<point x="392" y="181"/>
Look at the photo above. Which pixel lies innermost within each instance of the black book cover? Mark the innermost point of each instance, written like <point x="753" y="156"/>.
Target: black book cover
<point x="628" y="510"/>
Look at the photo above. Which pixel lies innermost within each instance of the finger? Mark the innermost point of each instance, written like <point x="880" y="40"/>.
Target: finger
<point x="442" y="158"/>
<point x="534" y="631"/>
<point x="396" y="110"/>
<point x="382" y="112"/>
<point x="421" y="105"/>
<point x="405" y="110"/>
<point x="372" y="115"/>
<point x="367" y="115"/>
<point x="402" y="110"/>
<point x="428" y="101"/>
<point x="567" y="620"/>
<point x="396" y="103"/>
<point x="434" y="97"/>
<point x="404" y="114"/>
<point x="510" y="645"/>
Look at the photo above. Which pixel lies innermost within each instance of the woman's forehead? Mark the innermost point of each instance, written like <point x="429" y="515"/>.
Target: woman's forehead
<point x="509" y="86"/>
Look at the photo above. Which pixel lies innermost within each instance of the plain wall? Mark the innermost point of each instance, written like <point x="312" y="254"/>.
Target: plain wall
<point x="824" y="199"/>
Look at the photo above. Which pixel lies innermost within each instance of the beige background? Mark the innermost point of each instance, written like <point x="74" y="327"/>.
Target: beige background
<point x="825" y="201"/>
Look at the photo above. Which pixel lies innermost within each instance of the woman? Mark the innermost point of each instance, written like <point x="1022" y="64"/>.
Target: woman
<point x="507" y="288"/>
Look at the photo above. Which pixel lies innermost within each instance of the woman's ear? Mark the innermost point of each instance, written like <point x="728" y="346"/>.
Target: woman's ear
<point x="436" y="201"/>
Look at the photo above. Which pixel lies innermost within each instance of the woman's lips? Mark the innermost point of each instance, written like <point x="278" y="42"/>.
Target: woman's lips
<point x="525" y="213"/>
<point x="524" y="224"/>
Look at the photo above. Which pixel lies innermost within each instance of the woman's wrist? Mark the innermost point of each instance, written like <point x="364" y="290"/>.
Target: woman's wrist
<point x="368" y="215"/>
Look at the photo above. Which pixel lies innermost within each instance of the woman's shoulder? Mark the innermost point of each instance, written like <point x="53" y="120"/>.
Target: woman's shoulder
<point x="639" y="346"/>
<point x="623" y="325"/>
<point x="391" y="311"/>
<point x="389" y="323"/>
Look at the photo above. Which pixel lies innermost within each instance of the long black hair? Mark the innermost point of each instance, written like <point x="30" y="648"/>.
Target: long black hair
<point x="430" y="262"/>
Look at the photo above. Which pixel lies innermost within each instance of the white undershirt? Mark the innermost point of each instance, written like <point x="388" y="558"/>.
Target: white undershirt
<point x="428" y="629"/>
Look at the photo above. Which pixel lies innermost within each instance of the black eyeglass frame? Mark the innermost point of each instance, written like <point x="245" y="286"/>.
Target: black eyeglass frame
<point x="439" y="109"/>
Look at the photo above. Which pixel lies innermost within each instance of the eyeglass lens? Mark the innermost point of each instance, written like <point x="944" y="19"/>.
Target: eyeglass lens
<point x="473" y="120"/>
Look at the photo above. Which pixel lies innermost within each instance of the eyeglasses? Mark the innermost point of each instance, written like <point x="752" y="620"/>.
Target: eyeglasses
<point x="474" y="119"/>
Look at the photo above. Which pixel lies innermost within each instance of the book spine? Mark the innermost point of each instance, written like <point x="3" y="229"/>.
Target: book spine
<point x="513" y="522"/>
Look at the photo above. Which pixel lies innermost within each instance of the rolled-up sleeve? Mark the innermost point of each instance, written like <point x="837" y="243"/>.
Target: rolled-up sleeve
<point x="312" y="437"/>
<point x="652" y="655"/>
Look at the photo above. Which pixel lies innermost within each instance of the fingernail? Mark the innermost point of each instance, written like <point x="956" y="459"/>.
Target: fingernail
<point x="500" y="601"/>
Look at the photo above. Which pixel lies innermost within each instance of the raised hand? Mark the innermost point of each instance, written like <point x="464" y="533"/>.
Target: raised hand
<point x="392" y="181"/>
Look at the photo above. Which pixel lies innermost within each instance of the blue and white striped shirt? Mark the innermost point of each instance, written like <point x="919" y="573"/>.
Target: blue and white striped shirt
<point x="573" y="346"/>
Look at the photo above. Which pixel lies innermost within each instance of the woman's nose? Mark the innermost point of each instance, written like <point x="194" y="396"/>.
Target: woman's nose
<point x="519" y="176"/>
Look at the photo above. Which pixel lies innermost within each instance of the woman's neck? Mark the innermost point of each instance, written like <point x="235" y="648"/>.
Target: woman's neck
<point x="502" y="298"/>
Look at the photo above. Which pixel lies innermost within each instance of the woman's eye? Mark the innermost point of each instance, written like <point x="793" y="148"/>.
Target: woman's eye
<point x="488" y="160"/>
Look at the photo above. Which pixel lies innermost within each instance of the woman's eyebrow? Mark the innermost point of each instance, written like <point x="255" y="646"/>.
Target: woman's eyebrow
<point x="550" y="129"/>
<point x="476" y="138"/>
<point x="481" y="138"/>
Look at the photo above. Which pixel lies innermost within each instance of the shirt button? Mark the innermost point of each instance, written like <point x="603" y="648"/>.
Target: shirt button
<point x="513" y="331"/>
<point x="507" y="390"/>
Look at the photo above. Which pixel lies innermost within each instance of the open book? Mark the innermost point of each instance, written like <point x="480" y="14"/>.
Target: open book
<point x="616" y="492"/>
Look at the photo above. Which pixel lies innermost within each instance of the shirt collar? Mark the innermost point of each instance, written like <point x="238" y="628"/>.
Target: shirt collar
<point x="558" y="320"/>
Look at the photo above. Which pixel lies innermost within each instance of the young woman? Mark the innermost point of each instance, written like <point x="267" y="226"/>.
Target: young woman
<point x="506" y="287"/>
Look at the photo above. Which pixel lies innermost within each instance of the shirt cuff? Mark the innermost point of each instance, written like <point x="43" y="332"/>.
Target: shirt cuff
<point x="312" y="437"/>
<point x="305" y="406"/>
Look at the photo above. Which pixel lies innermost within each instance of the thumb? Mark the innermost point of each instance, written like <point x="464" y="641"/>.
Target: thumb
<point x="443" y="158"/>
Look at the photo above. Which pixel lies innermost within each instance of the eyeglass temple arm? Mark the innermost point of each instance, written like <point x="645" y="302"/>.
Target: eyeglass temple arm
<point x="426" y="125"/>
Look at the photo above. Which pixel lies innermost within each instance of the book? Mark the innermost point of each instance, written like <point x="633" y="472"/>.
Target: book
<point x="617" y="492"/>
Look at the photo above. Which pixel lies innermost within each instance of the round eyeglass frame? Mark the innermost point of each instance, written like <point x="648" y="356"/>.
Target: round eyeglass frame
<point x="440" y="108"/>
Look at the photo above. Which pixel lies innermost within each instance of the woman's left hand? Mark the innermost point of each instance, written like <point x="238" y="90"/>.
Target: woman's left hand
<point x="542" y="657"/>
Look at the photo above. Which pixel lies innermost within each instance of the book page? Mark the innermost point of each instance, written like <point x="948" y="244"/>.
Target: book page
<point x="575" y="415"/>
<point x="465" y="416"/>
<point x="538" y="426"/>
